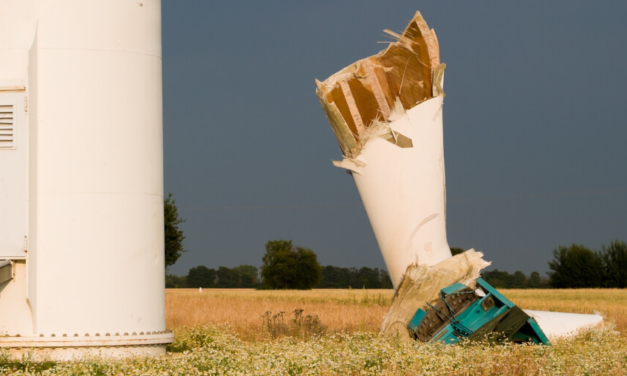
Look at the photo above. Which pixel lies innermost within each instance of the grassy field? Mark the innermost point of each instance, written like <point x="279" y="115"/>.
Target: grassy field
<point x="357" y="309"/>
<point x="334" y="332"/>
<point x="244" y="309"/>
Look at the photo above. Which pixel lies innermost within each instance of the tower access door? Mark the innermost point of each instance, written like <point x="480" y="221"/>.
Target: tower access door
<point x="13" y="174"/>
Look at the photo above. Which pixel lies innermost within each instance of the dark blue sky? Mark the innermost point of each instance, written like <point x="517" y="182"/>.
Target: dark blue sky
<point x="535" y="126"/>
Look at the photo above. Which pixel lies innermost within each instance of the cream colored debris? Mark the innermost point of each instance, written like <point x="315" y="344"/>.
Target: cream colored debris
<point x="421" y="284"/>
<point x="363" y="94"/>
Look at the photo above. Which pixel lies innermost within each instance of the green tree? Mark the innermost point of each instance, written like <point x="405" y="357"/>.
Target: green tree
<point x="353" y="280"/>
<point x="289" y="267"/>
<point x="173" y="235"/>
<point x="308" y="269"/>
<point x="614" y="259"/>
<point x="201" y="276"/>
<point x="248" y="275"/>
<point x="227" y="278"/>
<point x="369" y="278"/>
<point x="175" y="282"/>
<point x="575" y="267"/>
<point x="342" y="278"/>
<point x="277" y="270"/>
<point x="534" y="280"/>
<point x="498" y="279"/>
<point x="335" y="277"/>
<point x="519" y="280"/>
<point x="386" y="281"/>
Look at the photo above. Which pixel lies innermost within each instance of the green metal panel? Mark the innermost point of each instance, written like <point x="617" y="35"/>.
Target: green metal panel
<point x="492" y="315"/>
<point x="418" y="316"/>
<point x="489" y="289"/>
<point x="453" y="288"/>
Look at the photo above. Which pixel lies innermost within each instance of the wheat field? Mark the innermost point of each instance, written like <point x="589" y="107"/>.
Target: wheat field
<point x="243" y="309"/>
<point x="357" y="309"/>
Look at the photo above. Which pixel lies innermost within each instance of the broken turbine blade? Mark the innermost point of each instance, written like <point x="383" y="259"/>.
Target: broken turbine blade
<point x="386" y="112"/>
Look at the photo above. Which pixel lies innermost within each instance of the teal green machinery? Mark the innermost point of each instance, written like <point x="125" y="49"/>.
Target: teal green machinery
<point x="474" y="314"/>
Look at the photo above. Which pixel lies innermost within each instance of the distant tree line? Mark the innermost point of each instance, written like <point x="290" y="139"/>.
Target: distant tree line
<point x="342" y="278"/>
<point x="246" y="276"/>
<point x="243" y="276"/>
<point x="288" y="267"/>
<point x="504" y="280"/>
<point x="575" y="266"/>
<point x="580" y="267"/>
<point x="518" y="280"/>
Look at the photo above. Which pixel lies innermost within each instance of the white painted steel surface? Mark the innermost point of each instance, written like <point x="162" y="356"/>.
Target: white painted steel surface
<point x="14" y="309"/>
<point x="93" y="130"/>
<point x="13" y="172"/>
<point x="403" y="190"/>
<point x="72" y="353"/>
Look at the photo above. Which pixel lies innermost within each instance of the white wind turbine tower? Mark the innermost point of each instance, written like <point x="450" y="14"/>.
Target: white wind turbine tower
<point x="81" y="177"/>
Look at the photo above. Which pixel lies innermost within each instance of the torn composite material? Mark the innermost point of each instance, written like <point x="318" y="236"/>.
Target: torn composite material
<point x="422" y="285"/>
<point x="386" y="112"/>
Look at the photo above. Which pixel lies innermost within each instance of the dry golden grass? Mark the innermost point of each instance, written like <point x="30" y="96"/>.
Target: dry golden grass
<point x="355" y="310"/>
<point x="242" y="309"/>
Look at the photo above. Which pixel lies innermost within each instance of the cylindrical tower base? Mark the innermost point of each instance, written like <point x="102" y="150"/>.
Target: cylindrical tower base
<point x="106" y="345"/>
<point x="81" y="166"/>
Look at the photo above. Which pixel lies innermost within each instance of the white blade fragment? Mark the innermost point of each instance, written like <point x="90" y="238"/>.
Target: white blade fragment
<point x="403" y="191"/>
<point x="559" y="324"/>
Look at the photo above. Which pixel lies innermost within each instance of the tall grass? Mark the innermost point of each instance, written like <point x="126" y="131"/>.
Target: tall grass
<point x="244" y="309"/>
<point x="357" y="309"/>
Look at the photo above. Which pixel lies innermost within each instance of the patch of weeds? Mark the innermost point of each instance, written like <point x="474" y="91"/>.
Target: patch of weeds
<point x="24" y="365"/>
<point x="299" y="326"/>
<point x="186" y="339"/>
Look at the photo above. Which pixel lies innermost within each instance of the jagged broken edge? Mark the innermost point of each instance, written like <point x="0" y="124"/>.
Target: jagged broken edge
<point x="421" y="284"/>
<point x="365" y="92"/>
